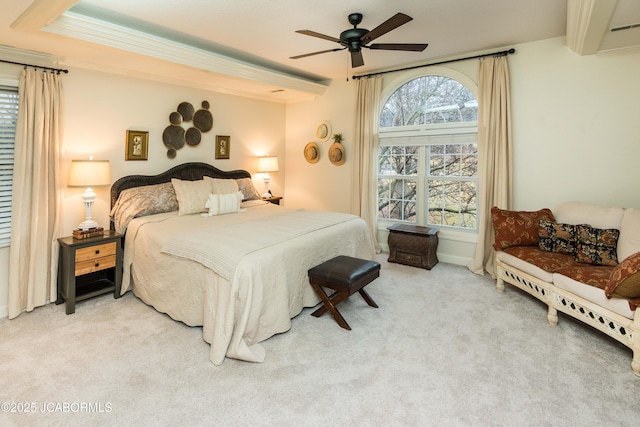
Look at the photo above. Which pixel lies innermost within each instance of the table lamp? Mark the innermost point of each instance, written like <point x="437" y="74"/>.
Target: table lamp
<point x="87" y="174"/>
<point x="265" y="165"/>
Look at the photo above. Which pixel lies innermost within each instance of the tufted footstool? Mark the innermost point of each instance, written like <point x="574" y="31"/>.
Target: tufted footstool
<point x="345" y="275"/>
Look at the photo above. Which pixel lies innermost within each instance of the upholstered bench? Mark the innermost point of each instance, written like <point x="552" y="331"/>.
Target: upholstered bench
<point x="346" y="276"/>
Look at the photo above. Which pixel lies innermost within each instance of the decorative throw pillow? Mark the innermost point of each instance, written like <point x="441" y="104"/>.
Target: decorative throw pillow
<point x="192" y="195"/>
<point x="245" y="185"/>
<point x="222" y="186"/>
<point x="624" y="281"/>
<point x="596" y="246"/>
<point x="221" y="204"/>
<point x="517" y="228"/>
<point x="142" y="201"/>
<point x="558" y="238"/>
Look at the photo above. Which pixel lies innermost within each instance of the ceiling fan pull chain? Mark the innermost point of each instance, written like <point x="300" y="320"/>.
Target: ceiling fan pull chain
<point x="347" y="68"/>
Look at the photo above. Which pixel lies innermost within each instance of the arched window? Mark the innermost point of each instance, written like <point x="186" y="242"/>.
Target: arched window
<point x="428" y="154"/>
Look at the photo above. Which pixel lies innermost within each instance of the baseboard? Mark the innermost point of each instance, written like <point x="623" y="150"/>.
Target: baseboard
<point x="453" y="259"/>
<point x="4" y="311"/>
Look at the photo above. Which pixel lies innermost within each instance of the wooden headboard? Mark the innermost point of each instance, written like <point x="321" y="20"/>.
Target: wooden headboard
<point x="186" y="171"/>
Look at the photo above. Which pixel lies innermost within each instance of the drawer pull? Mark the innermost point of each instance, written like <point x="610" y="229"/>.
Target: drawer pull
<point x="97" y="264"/>
<point x="97" y="251"/>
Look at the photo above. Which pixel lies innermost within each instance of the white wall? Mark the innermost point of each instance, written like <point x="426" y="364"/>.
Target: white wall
<point x="576" y="134"/>
<point x="321" y="185"/>
<point x="576" y="128"/>
<point x="101" y="107"/>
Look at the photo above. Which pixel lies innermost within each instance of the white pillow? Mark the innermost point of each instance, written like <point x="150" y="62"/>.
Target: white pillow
<point x="192" y="195"/>
<point x="220" y="204"/>
<point x="586" y="213"/>
<point x="629" y="240"/>
<point x="222" y="186"/>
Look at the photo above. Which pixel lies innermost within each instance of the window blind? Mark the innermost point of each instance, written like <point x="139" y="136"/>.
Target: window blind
<point x="8" y="121"/>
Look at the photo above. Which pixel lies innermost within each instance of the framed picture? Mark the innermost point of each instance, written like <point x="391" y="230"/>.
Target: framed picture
<point x="223" y="146"/>
<point x="137" y="146"/>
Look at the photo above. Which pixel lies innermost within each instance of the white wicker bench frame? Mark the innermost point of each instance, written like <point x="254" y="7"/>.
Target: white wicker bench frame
<point x="620" y="328"/>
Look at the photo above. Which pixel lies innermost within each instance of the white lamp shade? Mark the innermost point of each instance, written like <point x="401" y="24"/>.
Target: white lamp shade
<point x="267" y="164"/>
<point x="89" y="173"/>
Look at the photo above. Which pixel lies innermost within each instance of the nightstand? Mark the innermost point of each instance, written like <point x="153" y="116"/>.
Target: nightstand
<point x="273" y="199"/>
<point x="88" y="268"/>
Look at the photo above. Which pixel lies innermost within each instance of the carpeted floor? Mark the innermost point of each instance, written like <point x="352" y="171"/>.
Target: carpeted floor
<point x="444" y="348"/>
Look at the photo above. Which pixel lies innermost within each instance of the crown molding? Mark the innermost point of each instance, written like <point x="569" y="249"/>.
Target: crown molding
<point x="93" y="30"/>
<point x="121" y="71"/>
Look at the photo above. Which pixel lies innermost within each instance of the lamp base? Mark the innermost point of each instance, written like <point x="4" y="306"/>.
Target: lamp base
<point x="88" y="224"/>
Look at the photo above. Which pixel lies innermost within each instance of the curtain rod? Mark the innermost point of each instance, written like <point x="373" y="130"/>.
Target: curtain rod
<point x="502" y="53"/>
<point x="58" y="70"/>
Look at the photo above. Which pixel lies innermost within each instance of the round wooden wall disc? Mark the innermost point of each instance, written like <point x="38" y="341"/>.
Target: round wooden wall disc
<point x="186" y="111"/>
<point x="173" y="137"/>
<point x="193" y="136"/>
<point x="203" y="120"/>
<point x="175" y="118"/>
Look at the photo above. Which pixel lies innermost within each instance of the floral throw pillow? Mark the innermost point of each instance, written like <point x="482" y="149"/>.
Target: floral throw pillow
<point x="245" y="185"/>
<point x="558" y="238"/>
<point x="596" y="246"/>
<point x="517" y="228"/>
<point x="142" y="201"/>
<point x="624" y="281"/>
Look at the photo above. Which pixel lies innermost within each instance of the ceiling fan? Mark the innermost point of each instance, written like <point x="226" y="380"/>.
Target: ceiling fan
<point x="356" y="38"/>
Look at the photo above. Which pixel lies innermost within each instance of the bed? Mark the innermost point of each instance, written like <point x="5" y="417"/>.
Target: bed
<point x="237" y="266"/>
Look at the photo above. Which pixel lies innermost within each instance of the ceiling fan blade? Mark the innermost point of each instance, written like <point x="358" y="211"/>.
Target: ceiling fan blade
<point x="318" y="35"/>
<point x="412" y="47"/>
<point x="390" y="24"/>
<point x="317" y="53"/>
<point x="356" y="59"/>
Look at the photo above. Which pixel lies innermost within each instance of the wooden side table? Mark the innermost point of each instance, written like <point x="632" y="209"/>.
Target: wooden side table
<point x="88" y="268"/>
<point x="273" y="199"/>
<point x="413" y="245"/>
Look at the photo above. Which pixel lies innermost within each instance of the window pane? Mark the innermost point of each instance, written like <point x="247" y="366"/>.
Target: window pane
<point x="452" y="165"/>
<point x="429" y="100"/>
<point x="397" y="160"/>
<point x="396" y="199"/>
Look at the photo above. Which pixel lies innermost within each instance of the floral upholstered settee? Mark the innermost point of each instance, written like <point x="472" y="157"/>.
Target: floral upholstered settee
<point x="580" y="259"/>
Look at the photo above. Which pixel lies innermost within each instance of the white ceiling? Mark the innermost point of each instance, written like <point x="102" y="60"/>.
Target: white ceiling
<point x="244" y="46"/>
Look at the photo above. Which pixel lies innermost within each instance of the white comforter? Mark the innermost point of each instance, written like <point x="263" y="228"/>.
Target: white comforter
<point x="266" y="286"/>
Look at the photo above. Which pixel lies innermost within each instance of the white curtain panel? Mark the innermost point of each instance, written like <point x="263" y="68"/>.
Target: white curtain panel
<point x="36" y="203"/>
<point x="495" y="155"/>
<point x="365" y="154"/>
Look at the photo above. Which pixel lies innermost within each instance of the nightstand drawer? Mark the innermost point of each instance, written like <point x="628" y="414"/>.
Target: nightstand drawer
<point x="91" y="265"/>
<point x="94" y="252"/>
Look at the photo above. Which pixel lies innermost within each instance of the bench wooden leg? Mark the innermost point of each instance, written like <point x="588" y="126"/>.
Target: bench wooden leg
<point x="329" y="304"/>
<point x="335" y="299"/>
<point x="368" y="298"/>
